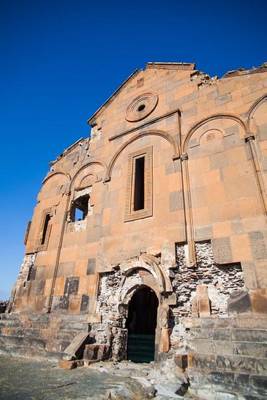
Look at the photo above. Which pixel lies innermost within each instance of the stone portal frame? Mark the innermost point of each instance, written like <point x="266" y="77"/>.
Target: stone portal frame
<point x="152" y="265"/>
<point x="162" y="341"/>
<point x="158" y="284"/>
<point x="115" y="294"/>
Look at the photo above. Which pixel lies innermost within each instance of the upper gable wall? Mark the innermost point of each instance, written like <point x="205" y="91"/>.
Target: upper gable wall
<point x="195" y="94"/>
<point x="161" y="82"/>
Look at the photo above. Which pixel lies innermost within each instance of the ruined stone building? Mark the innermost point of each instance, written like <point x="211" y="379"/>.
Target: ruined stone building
<point x="151" y="234"/>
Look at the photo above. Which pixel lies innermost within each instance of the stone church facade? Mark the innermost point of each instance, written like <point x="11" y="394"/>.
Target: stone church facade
<point x="167" y="198"/>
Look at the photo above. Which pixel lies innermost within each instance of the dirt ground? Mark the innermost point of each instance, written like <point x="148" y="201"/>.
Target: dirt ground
<point x="25" y="379"/>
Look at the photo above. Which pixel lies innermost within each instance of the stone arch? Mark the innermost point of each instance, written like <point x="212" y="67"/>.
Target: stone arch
<point x="208" y="119"/>
<point x="84" y="167"/>
<point x="126" y="293"/>
<point x="254" y="106"/>
<point x="205" y="134"/>
<point x="60" y="188"/>
<point x="88" y="180"/>
<point x="152" y="265"/>
<point x="52" y="174"/>
<point x="160" y="133"/>
<point x="253" y="109"/>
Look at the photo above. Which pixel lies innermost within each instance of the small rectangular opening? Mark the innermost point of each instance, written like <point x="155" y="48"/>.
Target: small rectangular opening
<point x="45" y="228"/>
<point x="139" y="184"/>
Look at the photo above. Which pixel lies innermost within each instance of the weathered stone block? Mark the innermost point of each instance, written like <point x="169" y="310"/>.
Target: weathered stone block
<point x="203" y="233"/>
<point x="238" y="302"/>
<point x="222" y="334"/>
<point x="222" y="250"/>
<point x="258" y="245"/>
<point x="204" y="346"/>
<point x="76" y="347"/>
<point x="259" y="383"/>
<point x="164" y="345"/>
<point x="65" y="364"/>
<point x="176" y="201"/>
<point x="71" y="285"/>
<point x="91" y="266"/>
<point x="84" y="303"/>
<point x="96" y="352"/>
<point x="242" y="364"/>
<point x="202" y="361"/>
<point x="259" y="300"/>
<point x="249" y="335"/>
<point x="181" y="360"/>
<point x="203" y="301"/>
<point x="223" y="347"/>
<point x="60" y="303"/>
<point x="250" y="349"/>
<point x="225" y="379"/>
<point x="66" y="269"/>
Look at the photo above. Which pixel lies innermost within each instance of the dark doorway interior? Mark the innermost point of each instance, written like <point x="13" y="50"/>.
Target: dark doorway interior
<point x="141" y="325"/>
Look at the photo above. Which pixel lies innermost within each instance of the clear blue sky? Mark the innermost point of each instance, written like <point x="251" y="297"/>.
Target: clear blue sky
<point x="60" y="60"/>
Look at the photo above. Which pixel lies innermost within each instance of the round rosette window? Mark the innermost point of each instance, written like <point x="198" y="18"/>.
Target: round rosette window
<point x="141" y="107"/>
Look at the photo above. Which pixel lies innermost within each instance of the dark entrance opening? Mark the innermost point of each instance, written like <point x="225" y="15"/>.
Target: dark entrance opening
<point x="141" y="324"/>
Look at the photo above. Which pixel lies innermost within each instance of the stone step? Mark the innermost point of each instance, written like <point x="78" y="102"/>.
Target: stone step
<point x="229" y="363"/>
<point x="7" y="316"/>
<point x="233" y="334"/>
<point x="246" y="321"/>
<point x="44" y="335"/>
<point x="235" y="372"/>
<point x="14" y="341"/>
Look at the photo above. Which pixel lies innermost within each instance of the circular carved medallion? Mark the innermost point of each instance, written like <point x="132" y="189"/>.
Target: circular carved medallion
<point x="141" y="107"/>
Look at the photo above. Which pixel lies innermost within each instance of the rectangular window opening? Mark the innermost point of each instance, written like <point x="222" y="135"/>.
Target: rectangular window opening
<point x="45" y="228"/>
<point x="80" y="208"/>
<point x="139" y="184"/>
<point x="139" y="188"/>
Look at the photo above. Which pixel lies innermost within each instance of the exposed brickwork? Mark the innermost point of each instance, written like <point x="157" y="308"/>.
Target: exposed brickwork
<point x="221" y="280"/>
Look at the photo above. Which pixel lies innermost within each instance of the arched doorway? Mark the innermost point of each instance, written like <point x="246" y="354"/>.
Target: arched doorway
<point x="141" y="324"/>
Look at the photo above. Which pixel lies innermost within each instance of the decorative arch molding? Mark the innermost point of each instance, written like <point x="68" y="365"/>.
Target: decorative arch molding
<point x="52" y="174"/>
<point x="253" y="108"/>
<point x="208" y="119"/>
<point x="91" y="177"/>
<point x="202" y="135"/>
<point x="160" y="133"/>
<point x="152" y="265"/>
<point x="85" y="166"/>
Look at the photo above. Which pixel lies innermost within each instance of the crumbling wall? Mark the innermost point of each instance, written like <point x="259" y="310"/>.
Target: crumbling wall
<point x="111" y="331"/>
<point x="26" y="270"/>
<point x="217" y="282"/>
<point x="221" y="280"/>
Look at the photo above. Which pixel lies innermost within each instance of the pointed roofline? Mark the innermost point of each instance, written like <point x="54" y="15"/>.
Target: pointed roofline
<point x="149" y="65"/>
<point x="91" y="120"/>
